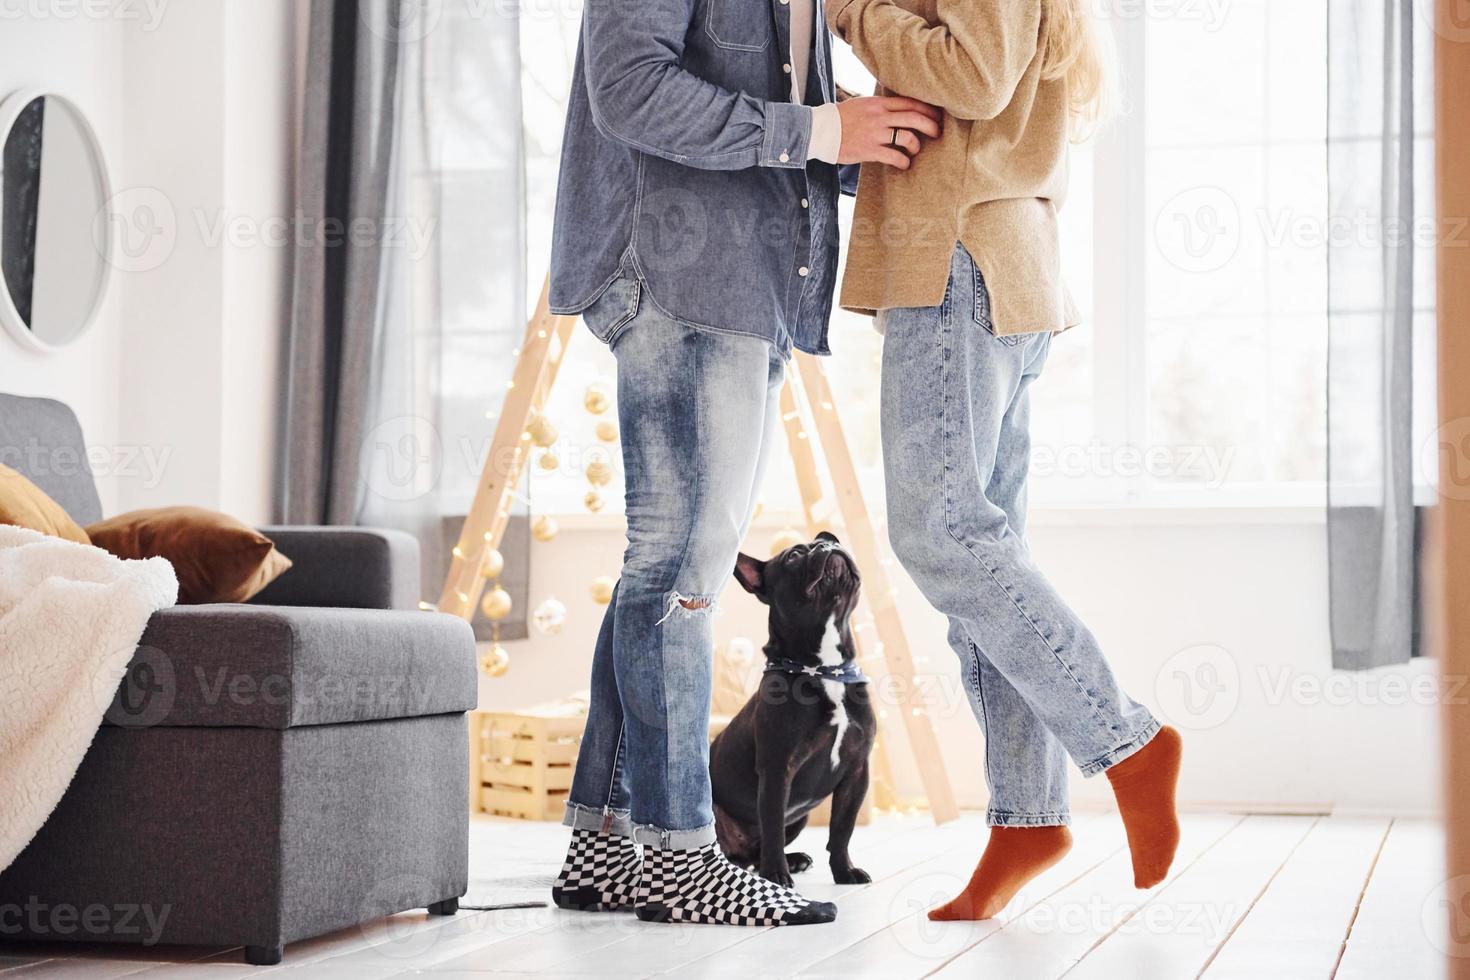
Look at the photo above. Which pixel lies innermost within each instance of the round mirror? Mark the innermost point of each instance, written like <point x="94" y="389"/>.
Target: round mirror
<point x="55" y="246"/>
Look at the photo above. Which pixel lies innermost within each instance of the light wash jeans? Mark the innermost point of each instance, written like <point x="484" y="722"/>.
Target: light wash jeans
<point x="956" y="449"/>
<point x="697" y="409"/>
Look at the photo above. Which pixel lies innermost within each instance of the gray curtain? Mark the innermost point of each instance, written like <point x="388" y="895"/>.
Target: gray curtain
<point x="1380" y="313"/>
<point x="348" y="122"/>
<point x="404" y="379"/>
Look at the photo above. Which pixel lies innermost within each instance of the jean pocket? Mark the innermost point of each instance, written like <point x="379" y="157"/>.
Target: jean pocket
<point x="730" y="25"/>
<point x="982" y="312"/>
<point x="614" y="309"/>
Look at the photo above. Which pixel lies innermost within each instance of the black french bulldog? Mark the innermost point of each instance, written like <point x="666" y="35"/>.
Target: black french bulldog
<point x="806" y="734"/>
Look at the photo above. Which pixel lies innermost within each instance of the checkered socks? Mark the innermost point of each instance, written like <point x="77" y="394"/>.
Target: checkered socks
<point x="701" y="885"/>
<point x="600" y="874"/>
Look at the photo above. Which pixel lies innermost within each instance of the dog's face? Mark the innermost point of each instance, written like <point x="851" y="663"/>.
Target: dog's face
<point x="807" y="586"/>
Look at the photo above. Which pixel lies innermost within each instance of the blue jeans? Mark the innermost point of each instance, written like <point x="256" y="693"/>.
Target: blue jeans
<point x="697" y="409"/>
<point x="956" y="449"/>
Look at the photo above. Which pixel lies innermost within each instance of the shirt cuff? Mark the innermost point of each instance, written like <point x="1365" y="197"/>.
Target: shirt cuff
<point x="788" y="133"/>
<point x="826" y="141"/>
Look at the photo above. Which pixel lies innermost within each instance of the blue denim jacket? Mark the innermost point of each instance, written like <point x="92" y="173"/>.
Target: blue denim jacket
<point x="684" y="168"/>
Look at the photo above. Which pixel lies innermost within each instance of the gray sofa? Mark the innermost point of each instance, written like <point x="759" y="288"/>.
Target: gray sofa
<point x="267" y="772"/>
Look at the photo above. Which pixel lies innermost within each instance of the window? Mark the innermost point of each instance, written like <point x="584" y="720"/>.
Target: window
<point x="1193" y="242"/>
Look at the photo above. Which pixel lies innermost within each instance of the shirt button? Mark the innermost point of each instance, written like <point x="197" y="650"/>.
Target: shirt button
<point x="784" y="158"/>
<point x="803" y="271"/>
<point x="786" y="69"/>
<point x="805" y="203"/>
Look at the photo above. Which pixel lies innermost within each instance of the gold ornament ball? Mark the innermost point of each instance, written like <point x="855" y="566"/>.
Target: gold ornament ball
<point x="548" y="461"/>
<point x="785" y="539"/>
<point x="542" y="431"/>
<point x="602" y="589"/>
<point x="493" y="564"/>
<point x="544" y="528"/>
<point x="740" y="650"/>
<point x="597" y="399"/>
<point x="607" y="430"/>
<point x="496" y="604"/>
<point x="550" y="616"/>
<point x="599" y="473"/>
<point x="495" y="661"/>
<point x="593" y="501"/>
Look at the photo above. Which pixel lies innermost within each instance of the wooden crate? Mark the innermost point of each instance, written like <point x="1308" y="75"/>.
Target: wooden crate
<point x="521" y="762"/>
<point x="524" y="759"/>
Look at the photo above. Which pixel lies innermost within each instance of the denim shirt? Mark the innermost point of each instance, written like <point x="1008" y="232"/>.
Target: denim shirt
<point x="684" y="167"/>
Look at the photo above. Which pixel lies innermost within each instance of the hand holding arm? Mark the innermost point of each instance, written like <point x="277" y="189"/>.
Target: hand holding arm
<point x="969" y="63"/>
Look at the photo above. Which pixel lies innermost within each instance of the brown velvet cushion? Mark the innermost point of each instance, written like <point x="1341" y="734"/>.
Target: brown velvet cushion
<point x="216" y="558"/>
<point x="23" y="504"/>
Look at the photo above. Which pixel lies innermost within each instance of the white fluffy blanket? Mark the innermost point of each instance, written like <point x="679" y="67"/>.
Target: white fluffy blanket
<point x="70" y="618"/>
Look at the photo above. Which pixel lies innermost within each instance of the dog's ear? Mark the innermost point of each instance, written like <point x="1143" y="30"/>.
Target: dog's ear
<point x="751" y="574"/>
<point x="827" y="536"/>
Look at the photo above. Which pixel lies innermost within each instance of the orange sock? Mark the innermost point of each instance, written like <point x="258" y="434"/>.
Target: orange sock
<point x="1144" y="786"/>
<point x="1013" y="857"/>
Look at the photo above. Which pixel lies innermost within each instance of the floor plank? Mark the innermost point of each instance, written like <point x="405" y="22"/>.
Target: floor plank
<point x="1178" y="929"/>
<point x="861" y="913"/>
<point x="1250" y="896"/>
<point x="912" y="946"/>
<point x="622" y="943"/>
<point x="1297" y="927"/>
<point x="1053" y="935"/>
<point x="1400" y="929"/>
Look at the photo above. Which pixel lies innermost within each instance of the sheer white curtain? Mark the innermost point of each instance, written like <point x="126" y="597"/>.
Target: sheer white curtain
<point x="453" y="304"/>
<point x="1380" y="385"/>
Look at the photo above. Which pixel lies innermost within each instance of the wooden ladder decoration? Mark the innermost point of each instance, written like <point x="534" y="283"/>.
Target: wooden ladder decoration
<point x="806" y="394"/>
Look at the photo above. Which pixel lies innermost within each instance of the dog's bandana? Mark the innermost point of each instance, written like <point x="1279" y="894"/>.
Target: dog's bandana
<point x="844" y="673"/>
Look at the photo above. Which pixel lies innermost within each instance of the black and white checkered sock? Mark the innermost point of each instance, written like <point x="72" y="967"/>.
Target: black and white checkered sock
<point x="701" y="885"/>
<point x="601" y="873"/>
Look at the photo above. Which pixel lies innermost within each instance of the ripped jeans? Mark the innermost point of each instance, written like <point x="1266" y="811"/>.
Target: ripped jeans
<point x="697" y="411"/>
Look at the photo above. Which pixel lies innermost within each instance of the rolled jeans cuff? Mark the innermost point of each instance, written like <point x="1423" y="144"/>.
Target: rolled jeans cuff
<point x="674" y="840"/>
<point x="1117" y="755"/>
<point x="1000" y="818"/>
<point x="603" y="820"/>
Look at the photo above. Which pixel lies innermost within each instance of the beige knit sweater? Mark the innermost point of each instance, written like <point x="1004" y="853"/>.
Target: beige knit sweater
<point x="994" y="180"/>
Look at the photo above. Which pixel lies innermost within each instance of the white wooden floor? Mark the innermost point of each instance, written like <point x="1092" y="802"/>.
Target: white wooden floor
<point x="1251" y="896"/>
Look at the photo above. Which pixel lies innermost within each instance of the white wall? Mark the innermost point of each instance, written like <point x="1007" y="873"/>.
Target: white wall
<point x="195" y="108"/>
<point x="81" y="59"/>
<point x="1203" y="601"/>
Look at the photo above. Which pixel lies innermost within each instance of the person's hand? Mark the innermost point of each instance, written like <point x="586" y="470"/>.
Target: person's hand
<point x="868" y="125"/>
